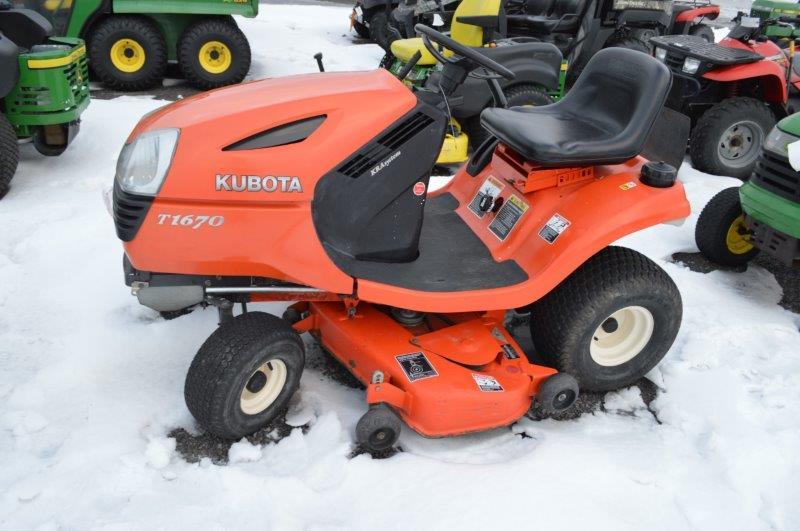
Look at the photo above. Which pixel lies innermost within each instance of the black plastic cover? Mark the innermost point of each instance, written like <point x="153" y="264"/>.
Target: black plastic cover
<point x="683" y="46"/>
<point x="24" y="27"/>
<point x="9" y="65"/>
<point x="129" y="212"/>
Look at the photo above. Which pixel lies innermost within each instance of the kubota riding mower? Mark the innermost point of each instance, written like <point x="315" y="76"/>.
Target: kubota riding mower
<point x="539" y="76"/>
<point x="131" y="42"/>
<point x="733" y="91"/>
<point x="581" y="28"/>
<point x="44" y="88"/>
<point x="762" y="215"/>
<point x="217" y="201"/>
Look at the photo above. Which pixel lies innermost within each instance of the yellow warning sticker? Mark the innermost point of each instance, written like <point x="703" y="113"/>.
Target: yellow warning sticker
<point x="627" y="186"/>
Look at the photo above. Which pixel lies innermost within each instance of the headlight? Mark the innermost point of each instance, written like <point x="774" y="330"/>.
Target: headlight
<point x="690" y="65"/>
<point x="143" y="164"/>
<point x="777" y="141"/>
<point x="661" y="54"/>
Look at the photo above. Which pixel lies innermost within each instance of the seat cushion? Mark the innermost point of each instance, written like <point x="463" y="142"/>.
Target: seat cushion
<point x="605" y="119"/>
<point x="404" y="49"/>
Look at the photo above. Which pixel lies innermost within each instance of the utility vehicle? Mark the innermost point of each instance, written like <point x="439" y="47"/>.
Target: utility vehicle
<point x="774" y="9"/>
<point x="131" y="42"/>
<point x="217" y="201"/>
<point x="762" y="215"/>
<point x="538" y="74"/>
<point x="580" y="28"/>
<point x="44" y="88"/>
<point x="385" y="21"/>
<point x="733" y="92"/>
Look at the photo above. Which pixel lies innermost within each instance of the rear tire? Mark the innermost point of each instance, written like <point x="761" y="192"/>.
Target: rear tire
<point x="244" y="374"/>
<point x="728" y="137"/>
<point x="702" y="31"/>
<point x="720" y="233"/>
<point x="361" y="30"/>
<point x="213" y="53"/>
<point x="128" y="53"/>
<point x="9" y="154"/>
<point x="517" y="96"/>
<point x="379" y="30"/>
<point x="610" y="322"/>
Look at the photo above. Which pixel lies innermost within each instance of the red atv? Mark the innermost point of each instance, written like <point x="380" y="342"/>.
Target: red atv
<point x="733" y="91"/>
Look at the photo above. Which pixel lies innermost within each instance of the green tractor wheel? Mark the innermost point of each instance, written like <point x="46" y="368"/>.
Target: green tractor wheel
<point x="721" y="234"/>
<point x="9" y="155"/>
<point x="213" y="53"/>
<point x="128" y="53"/>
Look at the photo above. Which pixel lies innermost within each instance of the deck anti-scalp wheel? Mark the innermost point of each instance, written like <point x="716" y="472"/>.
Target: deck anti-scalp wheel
<point x="128" y="53"/>
<point x="244" y="374"/>
<point x="609" y="322"/>
<point x="213" y="53"/>
<point x="557" y="394"/>
<point x="379" y="428"/>
<point x="9" y="155"/>
<point x="721" y="234"/>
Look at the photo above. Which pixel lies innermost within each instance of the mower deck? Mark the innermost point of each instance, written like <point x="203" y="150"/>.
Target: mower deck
<point x="447" y="375"/>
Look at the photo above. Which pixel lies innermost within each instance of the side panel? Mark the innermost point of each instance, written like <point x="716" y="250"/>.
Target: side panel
<point x="598" y="213"/>
<point x="195" y="7"/>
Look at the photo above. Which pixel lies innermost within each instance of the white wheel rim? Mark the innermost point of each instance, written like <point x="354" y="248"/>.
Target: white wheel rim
<point x="622" y="336"/>
<point x="265" y="386"/>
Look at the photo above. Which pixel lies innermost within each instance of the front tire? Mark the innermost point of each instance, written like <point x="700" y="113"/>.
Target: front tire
<point x="244" y="374"/>
<point x="610" y="322"/>
<point x="9" y="155"/>
<point x="721" y="234"/>
<point x="728" y="137"/>
<point x="128" y="53"/>
<point x="214" y="53"/>
<point x="702" y="31"/>
<point x="517" y="96"/>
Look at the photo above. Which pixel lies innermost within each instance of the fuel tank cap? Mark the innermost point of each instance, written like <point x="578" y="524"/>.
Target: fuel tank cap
<point x="658" y="174"/>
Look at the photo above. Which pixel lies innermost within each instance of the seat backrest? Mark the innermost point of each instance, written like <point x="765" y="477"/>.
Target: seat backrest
<point x="24" y="27"/>
<point x="9" y="65"/>
<point x="538" y="7"/>
<point x="468" y="34"/>
<point x="567" y="7"/>
<point x="620" y="91"/>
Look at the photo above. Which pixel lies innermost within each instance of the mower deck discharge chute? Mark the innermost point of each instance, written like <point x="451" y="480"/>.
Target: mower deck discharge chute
<point x="407" y="289"/>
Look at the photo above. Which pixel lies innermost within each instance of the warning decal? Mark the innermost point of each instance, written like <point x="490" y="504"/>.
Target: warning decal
<point x="627" y="186"/>
<point x="487" y="383"/>
<point x="491" y="187"/>
<point x="553" y="228"/>
<point x="507" y="217"/>
<point x="416" y="366"/>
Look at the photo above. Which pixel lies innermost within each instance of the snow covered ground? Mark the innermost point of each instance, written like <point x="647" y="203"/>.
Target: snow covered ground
<point x="91" y="386"/>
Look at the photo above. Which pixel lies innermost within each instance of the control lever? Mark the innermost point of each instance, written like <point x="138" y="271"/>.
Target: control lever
<point x="409" y="66"/>
<point x="318" y="57"/>
<point x="497" y="93"/>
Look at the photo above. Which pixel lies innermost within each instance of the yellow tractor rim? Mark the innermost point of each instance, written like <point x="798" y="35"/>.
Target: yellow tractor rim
<point x="127" y="56"/>
<point x="215" y="57"/>
<point x="738" y="237"/>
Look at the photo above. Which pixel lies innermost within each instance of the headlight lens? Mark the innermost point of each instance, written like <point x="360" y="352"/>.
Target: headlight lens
<point x="143" y="164"/>
<point x="661" y="54"/>
<point x="690" y="65"/>
<point x="777" y="141"/>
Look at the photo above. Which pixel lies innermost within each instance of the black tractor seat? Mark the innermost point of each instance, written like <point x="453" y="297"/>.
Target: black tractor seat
<point x="24" y="27"/>
<point x="605" y="119"/>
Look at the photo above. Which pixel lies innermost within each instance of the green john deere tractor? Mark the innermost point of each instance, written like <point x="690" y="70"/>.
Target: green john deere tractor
<point x="131" y="42"/>
<point x="765" y="9"/>
<point x="44" y="87"/>
<point x="762" y="215"/>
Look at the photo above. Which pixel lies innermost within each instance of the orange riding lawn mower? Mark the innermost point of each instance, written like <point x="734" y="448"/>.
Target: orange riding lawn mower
<point x="218" y="203"/>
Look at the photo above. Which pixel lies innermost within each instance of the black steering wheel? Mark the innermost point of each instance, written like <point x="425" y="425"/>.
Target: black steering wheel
<point x="430" y="34"/>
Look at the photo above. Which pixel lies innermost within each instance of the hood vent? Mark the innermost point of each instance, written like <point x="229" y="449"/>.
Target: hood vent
<point x="375" y="152"/>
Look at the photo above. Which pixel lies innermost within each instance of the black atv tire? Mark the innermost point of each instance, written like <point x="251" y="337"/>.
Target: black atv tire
<point x="517" y="96"/>
<point x="145" y="34"/>
<point x="204" y="32"/>
<point x="379" y="30"/>
<point x="578" y="316"/>
<point x="707" y="135"/>
<point x="229" y="363"/>
<point x="720" y="216"/>
<point x="9" y="154"/>
<point x="631" y="43"/>
<point x="703" y="31"/>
